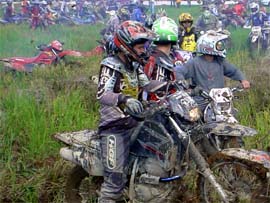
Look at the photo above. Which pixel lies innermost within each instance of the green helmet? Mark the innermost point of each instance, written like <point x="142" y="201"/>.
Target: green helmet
<point x="166" y="30"/>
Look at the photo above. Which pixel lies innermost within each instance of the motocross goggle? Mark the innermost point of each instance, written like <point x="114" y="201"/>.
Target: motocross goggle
<point x="220" y="46"/>
<point x="187" y="21"/>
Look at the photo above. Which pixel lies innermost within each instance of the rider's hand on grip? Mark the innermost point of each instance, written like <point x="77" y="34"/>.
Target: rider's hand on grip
<point x="134" y="106"/>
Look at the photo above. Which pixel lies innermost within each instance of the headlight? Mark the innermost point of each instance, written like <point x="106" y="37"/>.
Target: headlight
<point x="194" y="114"/>
<point x="224" y="106"/>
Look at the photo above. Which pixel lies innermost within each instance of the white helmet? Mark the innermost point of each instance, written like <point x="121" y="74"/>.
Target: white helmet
<point x="254" y="7"/>
<point x="212" y="43"/>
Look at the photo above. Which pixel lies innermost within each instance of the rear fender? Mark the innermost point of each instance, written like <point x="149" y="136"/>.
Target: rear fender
<point x="78" y="138"/>
<point x="260" y="157"/>
<point x="229" y="129"/>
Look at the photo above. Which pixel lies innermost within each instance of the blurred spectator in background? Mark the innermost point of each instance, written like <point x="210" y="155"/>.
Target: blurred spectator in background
<point x="137" y="14"/>
<point x="35" y="14"/>
<point x="79" y="7"/>
<point x="207" y="21"/>
<point x="189" y="2"/>
<point x="152" y="6"/>
<point x="178" y="3"/>
<point x="9" y="11"/>
<point x="64" y="7"/>
<point x="173" y="3"/>
<point x="25" y="6"/>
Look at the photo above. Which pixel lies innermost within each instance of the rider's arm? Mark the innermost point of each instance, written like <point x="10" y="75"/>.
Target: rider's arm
<point x="106" y="87"/>
<point x="232" y="71"/>
<point x="185" y="71"/>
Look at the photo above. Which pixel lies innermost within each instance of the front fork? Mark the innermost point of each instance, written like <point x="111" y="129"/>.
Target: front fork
<point x="200" y="161"/>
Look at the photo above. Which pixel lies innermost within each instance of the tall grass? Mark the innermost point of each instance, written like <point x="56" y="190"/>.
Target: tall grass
<point x="34" y="107"/>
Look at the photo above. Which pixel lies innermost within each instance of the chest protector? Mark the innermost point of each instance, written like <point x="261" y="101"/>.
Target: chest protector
<point x="129" y="81"/>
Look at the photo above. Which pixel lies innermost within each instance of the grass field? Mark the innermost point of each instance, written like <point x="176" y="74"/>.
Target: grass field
<point x="56" y="99"/>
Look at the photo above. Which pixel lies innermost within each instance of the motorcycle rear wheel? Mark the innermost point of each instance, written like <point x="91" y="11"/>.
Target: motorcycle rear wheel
<point x="241" y="181"/>
<point x="80" y="187"/>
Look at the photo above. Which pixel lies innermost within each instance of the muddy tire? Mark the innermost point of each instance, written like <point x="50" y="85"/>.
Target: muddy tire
<point x="242" y="181"/>
<point x="80" y="187"/>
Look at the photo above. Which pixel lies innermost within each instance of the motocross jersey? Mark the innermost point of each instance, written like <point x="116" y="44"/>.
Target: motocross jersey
<point x="187" y="40"/>
<point x="208" y="74"/>
<point x="257" y="19"/>
<point x="159" y="67"/>
<point x="115" y="79"/>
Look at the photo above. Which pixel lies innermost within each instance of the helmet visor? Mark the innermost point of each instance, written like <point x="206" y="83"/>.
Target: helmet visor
<point x="220" y="46"/>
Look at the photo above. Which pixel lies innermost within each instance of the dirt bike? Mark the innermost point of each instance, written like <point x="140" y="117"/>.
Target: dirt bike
<point x="258" y="40"/>
<point x="48" y="55"/>
<point x="219" y="114"/>
<point x="159" y="156"/>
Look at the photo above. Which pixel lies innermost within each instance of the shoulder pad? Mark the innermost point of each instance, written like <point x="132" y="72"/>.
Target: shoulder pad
<point x="113" y="63"/>
<point x="166" y="63"/>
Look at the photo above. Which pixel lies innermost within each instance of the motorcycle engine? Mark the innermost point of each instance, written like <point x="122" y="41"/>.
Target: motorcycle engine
<point x="147" y="186"/>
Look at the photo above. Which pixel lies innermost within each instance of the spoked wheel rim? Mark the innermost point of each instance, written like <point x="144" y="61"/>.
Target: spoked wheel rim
<point x="238" y="180"/>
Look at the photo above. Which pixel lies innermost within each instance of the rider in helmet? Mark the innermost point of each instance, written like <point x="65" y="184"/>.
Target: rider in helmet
<point x="207" y="70"/>
<point x="115" y="126"/>
<point x="207" y="21"/>
<point x="160" y="64"/>
<point x="257" y="17"/>
<point x="187" y="34"/>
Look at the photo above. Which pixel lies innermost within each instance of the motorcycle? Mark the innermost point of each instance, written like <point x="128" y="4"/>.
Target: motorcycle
<point x="50" y="54"/>
<point x="258" y="40"/>
<point x="159" y="156"/>
<point x="219" y="113"/>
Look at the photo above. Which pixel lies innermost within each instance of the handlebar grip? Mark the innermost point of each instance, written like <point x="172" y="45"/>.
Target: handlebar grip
<point x="149" y="111"/>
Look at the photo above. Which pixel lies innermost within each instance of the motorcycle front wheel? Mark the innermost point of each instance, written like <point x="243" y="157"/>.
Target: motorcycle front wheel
<point x="242" y="182"/>
<point x="80" y="187"/>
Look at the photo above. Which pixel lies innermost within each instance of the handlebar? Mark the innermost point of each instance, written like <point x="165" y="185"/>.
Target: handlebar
<point x="150" y="110"/>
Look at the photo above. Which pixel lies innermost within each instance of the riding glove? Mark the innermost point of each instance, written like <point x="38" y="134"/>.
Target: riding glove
<point x="134" y="106"/>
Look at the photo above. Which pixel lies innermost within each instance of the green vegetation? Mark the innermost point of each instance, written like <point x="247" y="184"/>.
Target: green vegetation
<point x="56" y="99"/>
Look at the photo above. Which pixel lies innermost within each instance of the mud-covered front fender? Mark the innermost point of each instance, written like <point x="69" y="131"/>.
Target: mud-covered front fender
<point x="228" y="129"/>
<point x="257" y="156"/>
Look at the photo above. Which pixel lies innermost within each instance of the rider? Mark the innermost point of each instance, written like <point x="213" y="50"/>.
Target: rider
<point x="257" y="18"/>
<point x="207" y="21"/>
<point x="160" y="64"/>
<point x="187" y="34"/>
<point x="115" y="124"/>
<point x="208" y="69"/>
